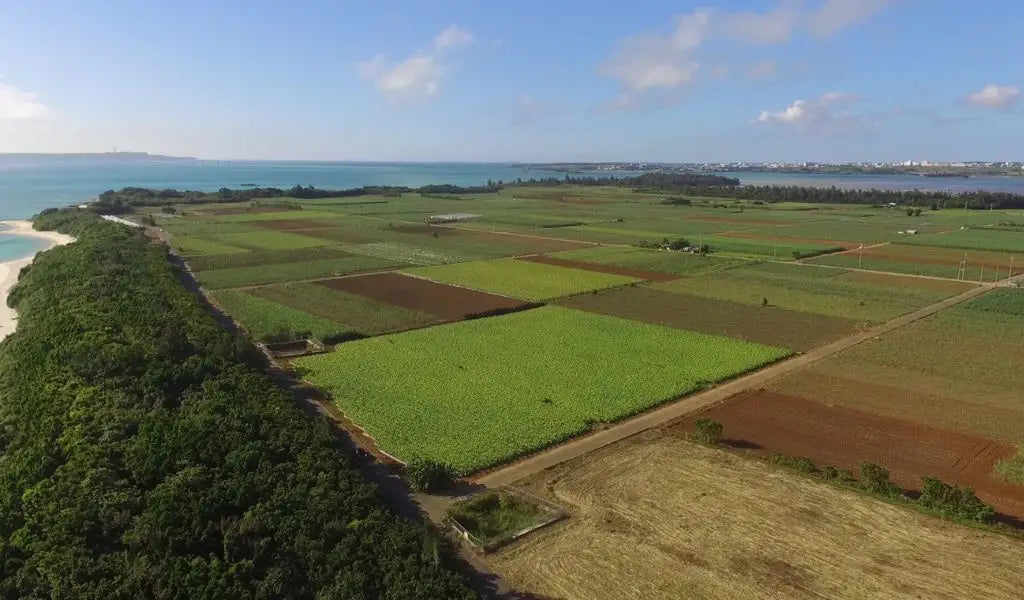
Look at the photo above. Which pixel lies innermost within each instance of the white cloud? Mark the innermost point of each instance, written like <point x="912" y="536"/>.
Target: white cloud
<point x="418" y="76"/>
<point x="837" y="15"/>
<point x="995" y="96"/>
<point x="662" y="62"/>
<point x="804" y="114"/>
<point x="17" y="105"/>
<point x="762" y="69"/>
<point x="453" y="36"/>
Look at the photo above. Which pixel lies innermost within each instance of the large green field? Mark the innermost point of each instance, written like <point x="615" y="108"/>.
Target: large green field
<point x="500" y="387"/>
<point x="522" y="279"/>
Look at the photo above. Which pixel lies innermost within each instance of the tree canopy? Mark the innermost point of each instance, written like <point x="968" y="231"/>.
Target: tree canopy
<point x="144" y="453"/>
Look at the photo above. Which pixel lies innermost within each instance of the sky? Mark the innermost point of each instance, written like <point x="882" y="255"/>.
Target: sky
<point x="482" y="80"/>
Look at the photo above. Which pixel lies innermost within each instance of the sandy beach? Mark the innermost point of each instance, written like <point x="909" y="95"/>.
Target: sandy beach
<point x="10" y="270"/>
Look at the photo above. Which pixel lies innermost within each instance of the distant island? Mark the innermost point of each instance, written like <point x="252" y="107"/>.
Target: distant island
<point x="118" y="156"/>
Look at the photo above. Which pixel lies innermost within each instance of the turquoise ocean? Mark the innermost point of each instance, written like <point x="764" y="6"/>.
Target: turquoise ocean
<point x="30" y="183"/>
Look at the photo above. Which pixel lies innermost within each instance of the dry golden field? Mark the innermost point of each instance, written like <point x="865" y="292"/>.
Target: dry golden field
<point x="660" y="517"/>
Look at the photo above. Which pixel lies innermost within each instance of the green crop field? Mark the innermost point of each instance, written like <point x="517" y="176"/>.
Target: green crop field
<point x="1008" y="301"/>
<point x="676" y="263"/>
<point x="808" y="289"/>
<point x="521" y="279"/>
<point x="359" y="314"/>
<point x="971" y="239"/>
<point x="500" y="387"/>
<point x="284" y="272"/>
<point x="264" y="257"/>
<point x="277" y="216"/>
<point x="756" y="248"/>
<point x="272" y="240"/>
<point x="194" y="246"/>
<point x="264" y="319"/>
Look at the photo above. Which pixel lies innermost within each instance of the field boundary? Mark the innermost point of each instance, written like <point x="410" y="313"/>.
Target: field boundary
<point x="701" y="400"/>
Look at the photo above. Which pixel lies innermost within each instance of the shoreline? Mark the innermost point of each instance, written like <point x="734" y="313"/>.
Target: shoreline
<point x="11" y="269"/>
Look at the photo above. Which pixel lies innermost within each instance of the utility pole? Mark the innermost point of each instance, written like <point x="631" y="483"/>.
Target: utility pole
<point x="963" y="268"/>
<point x="982" y="276"/>
<point x="860" y="259"/>
<point x="1010" y="276"/>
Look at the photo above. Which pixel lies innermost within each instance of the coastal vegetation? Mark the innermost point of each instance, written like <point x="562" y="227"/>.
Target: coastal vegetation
<point x="146" y="455"/>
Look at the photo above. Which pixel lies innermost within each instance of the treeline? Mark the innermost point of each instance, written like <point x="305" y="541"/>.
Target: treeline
<point x="647" y="181"/>
<point x="145" y="454"/>
<point x="127" y="199"/>
<point x="770" y="194"/>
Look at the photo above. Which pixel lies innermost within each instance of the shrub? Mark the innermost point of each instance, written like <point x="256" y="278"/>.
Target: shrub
<point x="875" y="478"/>
<point x="429" y="475"/>
<point x="797" y="463"/>
<point x="707" y="431"/>
<point x="954" y="501"/>
<point x="830" y="473"/>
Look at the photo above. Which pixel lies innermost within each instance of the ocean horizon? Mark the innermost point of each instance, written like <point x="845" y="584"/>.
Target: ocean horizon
<point x="31" y="183"/>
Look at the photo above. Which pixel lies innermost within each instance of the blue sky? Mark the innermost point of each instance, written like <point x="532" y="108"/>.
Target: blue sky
<point x="476" y="80"/>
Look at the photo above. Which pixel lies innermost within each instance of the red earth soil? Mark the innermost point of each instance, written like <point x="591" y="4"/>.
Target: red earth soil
<point x="244" y="210"/>
<point x="445" y="301"/>
<point x="767" y="423"/>
<point x="791" y="238"/>
<point x="599" y="268"/>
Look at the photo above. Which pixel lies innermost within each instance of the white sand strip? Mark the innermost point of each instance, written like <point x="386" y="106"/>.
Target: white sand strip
<point x="10" y="270"/>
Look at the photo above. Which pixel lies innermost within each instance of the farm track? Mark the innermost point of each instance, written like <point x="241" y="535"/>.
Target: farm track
<point x="683" y="407"/>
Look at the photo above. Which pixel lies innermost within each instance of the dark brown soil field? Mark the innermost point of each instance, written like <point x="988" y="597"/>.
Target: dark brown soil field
<point x="243" y="210"/>
<point x="764" y="325"/>
<point x="612" y="269"/>
<point x="791" y="238"/>
<point x="940" y="285"/>
<point x="766" y="423"/>
<point x="445" y="301"/>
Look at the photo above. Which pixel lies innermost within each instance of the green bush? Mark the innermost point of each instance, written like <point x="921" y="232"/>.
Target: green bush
<point x="707" y="431"/>
<point x="797" y="463"/>
<point x="954" y="501"/>
<point x="875" y="478"/>
<point x="429" y="475"/>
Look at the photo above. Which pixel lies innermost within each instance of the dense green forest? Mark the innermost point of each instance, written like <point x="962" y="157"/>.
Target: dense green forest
<point x="770" y="194"/>
<point x="129" y="198"/>
<point x="145" y="454"/>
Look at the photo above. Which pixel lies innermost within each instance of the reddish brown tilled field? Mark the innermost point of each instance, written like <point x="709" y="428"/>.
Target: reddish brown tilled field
<point x="445" y="301"/>
<point x="925" y="255"/>
<point x="599" y="268"/>
<point x="766" y="423"/>
<point x="764" y="325"/>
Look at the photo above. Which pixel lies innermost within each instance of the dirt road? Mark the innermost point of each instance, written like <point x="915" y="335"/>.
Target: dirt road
<point x="579" y="446"/>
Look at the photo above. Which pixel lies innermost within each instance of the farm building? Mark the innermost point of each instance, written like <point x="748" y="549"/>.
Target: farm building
<point x="452" y="218"/>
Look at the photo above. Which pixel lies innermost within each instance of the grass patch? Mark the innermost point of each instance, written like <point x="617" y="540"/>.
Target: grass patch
<point x="808" y="289"/>
<point x="277" y="216"/>
<point x="193" y="246"/>
<point x="493" y="517"/>
<point x="263" y="257"/>
<point x="500" y="387"/>
<point x="1012" y="469"/>
<point x="265" y="320"/>
<point x="284" y="272"/>
<point x="971" y="239"/>
<point x="522" y="279"/>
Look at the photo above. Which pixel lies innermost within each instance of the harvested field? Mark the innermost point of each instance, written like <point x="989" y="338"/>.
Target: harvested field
<point x="767" y="422"/>
<point x="789" y="238"/>
<point x="657" y="518"/>
<point x="764" y="325"/>
<point x="939" y="285"/>
<point x="445" y="301"/>
<point x="601" y="268"/>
